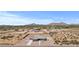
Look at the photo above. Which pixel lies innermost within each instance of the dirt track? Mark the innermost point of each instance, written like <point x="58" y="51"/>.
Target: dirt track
<point x="27" y="42"/>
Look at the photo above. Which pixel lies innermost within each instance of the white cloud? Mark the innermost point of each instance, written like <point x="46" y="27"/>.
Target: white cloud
<point x="74" y="21"/>
<point x="11" y="19"/>
<point x="7" y="18"/>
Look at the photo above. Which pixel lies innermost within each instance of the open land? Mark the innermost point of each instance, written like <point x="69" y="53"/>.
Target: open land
<point x="39" y="36"/>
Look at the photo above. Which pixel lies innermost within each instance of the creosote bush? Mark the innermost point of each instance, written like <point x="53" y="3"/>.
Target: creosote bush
<point x="7" y="37"/>
<point x="65" y="37"/>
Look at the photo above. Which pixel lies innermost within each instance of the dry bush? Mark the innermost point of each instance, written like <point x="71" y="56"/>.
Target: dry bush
<point x="65" y="37"/>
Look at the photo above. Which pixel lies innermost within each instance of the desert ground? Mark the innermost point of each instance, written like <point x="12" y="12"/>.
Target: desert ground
<point x="40" y="38"/>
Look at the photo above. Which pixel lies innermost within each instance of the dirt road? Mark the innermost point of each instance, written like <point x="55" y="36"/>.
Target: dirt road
<point x="27" y="42"/>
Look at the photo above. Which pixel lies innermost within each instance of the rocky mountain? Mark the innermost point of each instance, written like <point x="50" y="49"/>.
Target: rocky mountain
<point x="61" y="23"/>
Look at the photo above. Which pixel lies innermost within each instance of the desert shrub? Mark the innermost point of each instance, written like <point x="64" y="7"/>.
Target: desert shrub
<point x="52" y="33"/>
<point x="57" y="41"/>
<point x="74" y="42"/>
<point x="65" y="42"/>
<point x="16" y="29"/>
<point x="7" y="37"/>
<point x="64" y="37"/>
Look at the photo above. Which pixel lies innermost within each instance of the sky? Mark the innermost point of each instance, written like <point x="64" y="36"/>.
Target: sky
<point x="38" y="17"/>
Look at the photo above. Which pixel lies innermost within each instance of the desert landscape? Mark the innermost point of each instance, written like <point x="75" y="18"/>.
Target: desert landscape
<point x="34" y="35"/>
<point x="39" y="28"/>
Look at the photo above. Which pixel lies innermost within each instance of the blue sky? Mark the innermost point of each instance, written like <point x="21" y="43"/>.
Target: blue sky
<point x="39" y="17"/>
